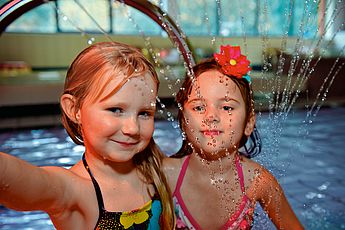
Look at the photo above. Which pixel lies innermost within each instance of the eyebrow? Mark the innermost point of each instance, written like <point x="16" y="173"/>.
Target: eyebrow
<point x="221" y="99"/>
<point x="151" y="108"/>
<point x="195" y="100"/>
<point x="125" y="105"/>
<point x="229" y="99"/>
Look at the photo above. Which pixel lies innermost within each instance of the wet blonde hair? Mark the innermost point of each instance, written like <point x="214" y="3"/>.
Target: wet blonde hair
<point x="87" y="76"/>
<point x="186" y="89"/>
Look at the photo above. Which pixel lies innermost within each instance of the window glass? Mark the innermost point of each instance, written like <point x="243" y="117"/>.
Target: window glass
<point x="38" y="20"/>
<point x="83" y="14"/>
<point x="197" y="17"/>
<point x="280" y="17"/>
<point x="274" y="18"/>
<point x="238" y="18"/>
<point x="305" y="19"/>
<point x="128" y="20"/>
<point x="194" y="17"/>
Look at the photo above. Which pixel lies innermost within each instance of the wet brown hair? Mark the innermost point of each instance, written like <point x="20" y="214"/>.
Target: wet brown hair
<point x="87" y="76"/>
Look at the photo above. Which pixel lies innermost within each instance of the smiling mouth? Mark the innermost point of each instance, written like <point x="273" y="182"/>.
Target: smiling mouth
<point x="211" y="132"/>
<point x="127" y="144"/>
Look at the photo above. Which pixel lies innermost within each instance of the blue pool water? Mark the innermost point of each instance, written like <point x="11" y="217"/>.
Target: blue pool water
<point x="306" y="156"/>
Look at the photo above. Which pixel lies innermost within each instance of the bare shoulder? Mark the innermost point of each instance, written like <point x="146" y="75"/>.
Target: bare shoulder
<point x="251" y="169"/>
<point x="257" y="178"/>
<point x="172" y="164"/>
<point x="68" y="177"/>
<point x="171" y="168"/>
<point x="76" y="187"/>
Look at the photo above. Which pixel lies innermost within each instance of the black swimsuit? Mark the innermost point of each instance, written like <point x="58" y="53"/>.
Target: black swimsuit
<point x="146" y="217"/>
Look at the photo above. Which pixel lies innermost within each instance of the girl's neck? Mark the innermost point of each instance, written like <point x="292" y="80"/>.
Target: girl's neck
<point x="107" y="167"/>
<point x="120" y="179"/>
<point x="198" y="161"/>
<point x="216" y="155"/>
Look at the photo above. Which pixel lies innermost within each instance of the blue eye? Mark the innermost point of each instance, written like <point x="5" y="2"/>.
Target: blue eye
<point x="146" y="114"/>
<point x="116" y="110"/>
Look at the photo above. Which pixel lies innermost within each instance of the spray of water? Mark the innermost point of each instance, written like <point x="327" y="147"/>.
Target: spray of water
<point x="283" y="88"/>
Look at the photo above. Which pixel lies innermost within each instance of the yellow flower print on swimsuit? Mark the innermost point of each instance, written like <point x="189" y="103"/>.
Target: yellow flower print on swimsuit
<point x="127" y="219"/>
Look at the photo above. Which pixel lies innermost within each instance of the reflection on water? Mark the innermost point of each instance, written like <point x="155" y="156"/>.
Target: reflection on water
<point x="307" y="160"/>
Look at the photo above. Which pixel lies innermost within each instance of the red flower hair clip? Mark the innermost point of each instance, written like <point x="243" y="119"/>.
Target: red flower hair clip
<point x="233" y="62"/>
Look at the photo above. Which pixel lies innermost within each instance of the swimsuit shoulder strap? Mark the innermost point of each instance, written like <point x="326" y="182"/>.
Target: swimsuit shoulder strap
<point x="182" y="174"/>
<point x="95" y="185"/>
<point x="240" y="173"/>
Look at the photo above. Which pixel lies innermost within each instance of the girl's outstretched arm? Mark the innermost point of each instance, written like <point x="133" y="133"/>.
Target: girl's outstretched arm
<point x="27" y="187"/>
<point x="272" y="199"/>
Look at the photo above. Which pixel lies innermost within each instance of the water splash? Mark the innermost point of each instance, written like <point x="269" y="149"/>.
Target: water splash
<point x="284" y="94"/>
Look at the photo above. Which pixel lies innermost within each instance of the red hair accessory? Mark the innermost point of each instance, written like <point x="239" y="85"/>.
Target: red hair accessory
<point x="233" y="62"/>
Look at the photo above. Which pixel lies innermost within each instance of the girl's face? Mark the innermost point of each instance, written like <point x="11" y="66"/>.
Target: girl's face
<point x="118" y="126"/>
<point x="214" y="115"/>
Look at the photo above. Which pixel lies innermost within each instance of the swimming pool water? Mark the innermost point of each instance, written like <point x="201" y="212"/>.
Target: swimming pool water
<point x="306" y="157"/>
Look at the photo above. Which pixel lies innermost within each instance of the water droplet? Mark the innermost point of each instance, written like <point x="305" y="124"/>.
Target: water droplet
<point x="324" y="186"/>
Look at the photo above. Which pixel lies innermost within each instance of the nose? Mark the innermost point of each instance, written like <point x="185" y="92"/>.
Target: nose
<point x="130" y="126"/>
<point x="211" y="115"/>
